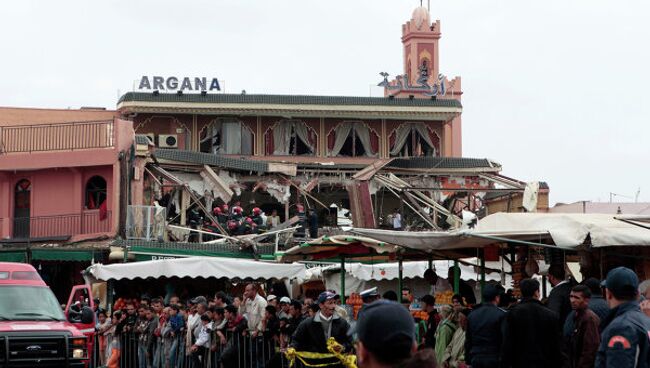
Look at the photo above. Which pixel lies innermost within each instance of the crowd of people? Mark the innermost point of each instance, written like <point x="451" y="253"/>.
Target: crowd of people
<point x="592" y="324"/>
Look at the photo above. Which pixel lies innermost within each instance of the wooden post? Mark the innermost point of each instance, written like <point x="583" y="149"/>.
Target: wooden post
<point x="185" y="203"/>
<point x="342" y="279"/>
<point x="482" y="272"/>
<point x="400" y="279"/>
<point x="286" y="211"/>
<point x="456" y="277"/>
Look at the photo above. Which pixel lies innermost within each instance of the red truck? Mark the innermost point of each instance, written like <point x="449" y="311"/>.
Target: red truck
<point x="34" y="331"/>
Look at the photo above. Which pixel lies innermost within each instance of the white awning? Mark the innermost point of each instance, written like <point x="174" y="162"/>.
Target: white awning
<point x="571" y="230"/>
<point x="564" y="230"/>
<point x="195" y="267"/>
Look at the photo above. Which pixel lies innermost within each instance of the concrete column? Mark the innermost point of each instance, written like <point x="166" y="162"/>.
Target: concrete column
<point x="446" y="139"/>
<point x="113" y="198"/>
<point x="456" y="137"/>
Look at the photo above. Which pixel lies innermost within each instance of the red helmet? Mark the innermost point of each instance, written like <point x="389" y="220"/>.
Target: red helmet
<point x="256" y="211"/>
<point x="224" y="208"/>
<point x="237" y="210"/>
<point x="300" y="207"/>
<point x="216" y="211"/>
<point x="249" y="220"/>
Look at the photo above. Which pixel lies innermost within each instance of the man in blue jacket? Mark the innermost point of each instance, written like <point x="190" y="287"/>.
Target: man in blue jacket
<point x="625" y="340"/>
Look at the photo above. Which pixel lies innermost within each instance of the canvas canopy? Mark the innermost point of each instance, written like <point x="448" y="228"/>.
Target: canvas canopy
<point x="195" y="267"/>
<point x="338" y="245"/>
<point x="563" y="230"/>
<point x="572" y="230"/>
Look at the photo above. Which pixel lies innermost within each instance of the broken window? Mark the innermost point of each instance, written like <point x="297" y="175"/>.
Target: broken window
<point x="291" y="137"/>
<point x="95" y="192"/>
<point x="413" y="140"/>
<point x="227" y="137"/>
<point x="353" y="140"/>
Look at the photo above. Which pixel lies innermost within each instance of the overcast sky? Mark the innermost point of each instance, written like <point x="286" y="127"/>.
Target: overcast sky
<point x="553" y="90"/>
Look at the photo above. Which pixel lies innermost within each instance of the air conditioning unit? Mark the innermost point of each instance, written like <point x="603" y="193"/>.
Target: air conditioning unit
<point x="168" y="141"/>
<point x="152" y="138"/>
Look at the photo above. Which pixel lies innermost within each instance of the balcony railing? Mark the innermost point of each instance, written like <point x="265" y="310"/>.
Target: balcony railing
<point x="88" y="222"/>
<point x="56" y="137"/>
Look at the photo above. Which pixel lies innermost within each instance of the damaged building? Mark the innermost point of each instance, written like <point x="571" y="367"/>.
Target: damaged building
<point x="354" y="160"/>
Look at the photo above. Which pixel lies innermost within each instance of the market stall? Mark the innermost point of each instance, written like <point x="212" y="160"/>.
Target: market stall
<point x="384" y="276"/>
<point x="198" y="267"/>
<point x="191" y="274"/>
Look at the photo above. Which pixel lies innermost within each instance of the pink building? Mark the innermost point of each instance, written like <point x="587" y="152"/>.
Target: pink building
<point x="60" y="173"/>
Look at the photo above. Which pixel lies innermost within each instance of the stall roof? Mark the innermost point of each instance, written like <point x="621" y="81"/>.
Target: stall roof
<point x="330" y="247"/>
<point x="572" y="230"/>
<point x="194" y="267"/>
<point x="562" y="230"/>
<point x="425" y="240"/>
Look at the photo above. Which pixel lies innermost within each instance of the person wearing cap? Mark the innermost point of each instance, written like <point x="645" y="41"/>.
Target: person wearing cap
<point x="369" y="295"/>
<point x="531" y="335"/>
<point x="285" y="304"/>
<point x="272" y="300"/>
<point x="312" y="334"/>
<point x="385" y="336"/>
<point x="483" y="336"/>
<point x="625" y="338"/>
<point x="581" y="345"/>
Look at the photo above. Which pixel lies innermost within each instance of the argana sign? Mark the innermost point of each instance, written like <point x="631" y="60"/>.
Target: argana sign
<point x="157" y="83"/>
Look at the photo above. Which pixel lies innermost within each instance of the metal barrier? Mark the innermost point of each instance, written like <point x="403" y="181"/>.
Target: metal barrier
<point x="87" y="222"/>
<point x="235" y="351"/>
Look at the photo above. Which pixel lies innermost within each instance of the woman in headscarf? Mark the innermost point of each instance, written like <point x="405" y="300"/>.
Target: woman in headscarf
<point x="445" y="331"/>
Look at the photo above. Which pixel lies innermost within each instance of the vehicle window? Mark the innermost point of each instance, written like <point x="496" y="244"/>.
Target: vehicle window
<point x="4" y="275"/>
<point x="19" y="302"/>
<point x="25" y="275"/>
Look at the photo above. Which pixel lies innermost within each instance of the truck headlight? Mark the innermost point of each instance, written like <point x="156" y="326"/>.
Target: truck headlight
<point x="78" y="354"/>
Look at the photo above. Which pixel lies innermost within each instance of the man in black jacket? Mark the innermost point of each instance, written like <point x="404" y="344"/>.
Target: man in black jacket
<point x="313" y="332"/>
<point x="558" y="299"/>
<point x="531" y="337"/>
<point x="483" y="333"/>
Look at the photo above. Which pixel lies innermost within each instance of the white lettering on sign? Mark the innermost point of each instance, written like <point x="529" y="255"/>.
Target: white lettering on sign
<point x="158" y="83"/>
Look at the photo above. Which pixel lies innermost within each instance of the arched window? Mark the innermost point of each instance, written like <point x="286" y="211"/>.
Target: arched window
<point x="353" y="140"/>
<point x="228" y="137"/>
<point x="413" y="140"/>
<point x="291" y="137"/>
<point x="95" y="192"/>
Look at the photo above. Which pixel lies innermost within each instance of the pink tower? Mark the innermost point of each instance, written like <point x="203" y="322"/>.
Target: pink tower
<point x="422" y="76"/>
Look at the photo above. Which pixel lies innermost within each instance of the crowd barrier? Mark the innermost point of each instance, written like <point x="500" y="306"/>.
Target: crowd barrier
<point x="237" y="351"/>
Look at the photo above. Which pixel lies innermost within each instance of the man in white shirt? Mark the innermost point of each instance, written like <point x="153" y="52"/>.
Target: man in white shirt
<point x="253" y="308"/>
<point x="397" y="220"/>
<point x="202" y="344"/>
